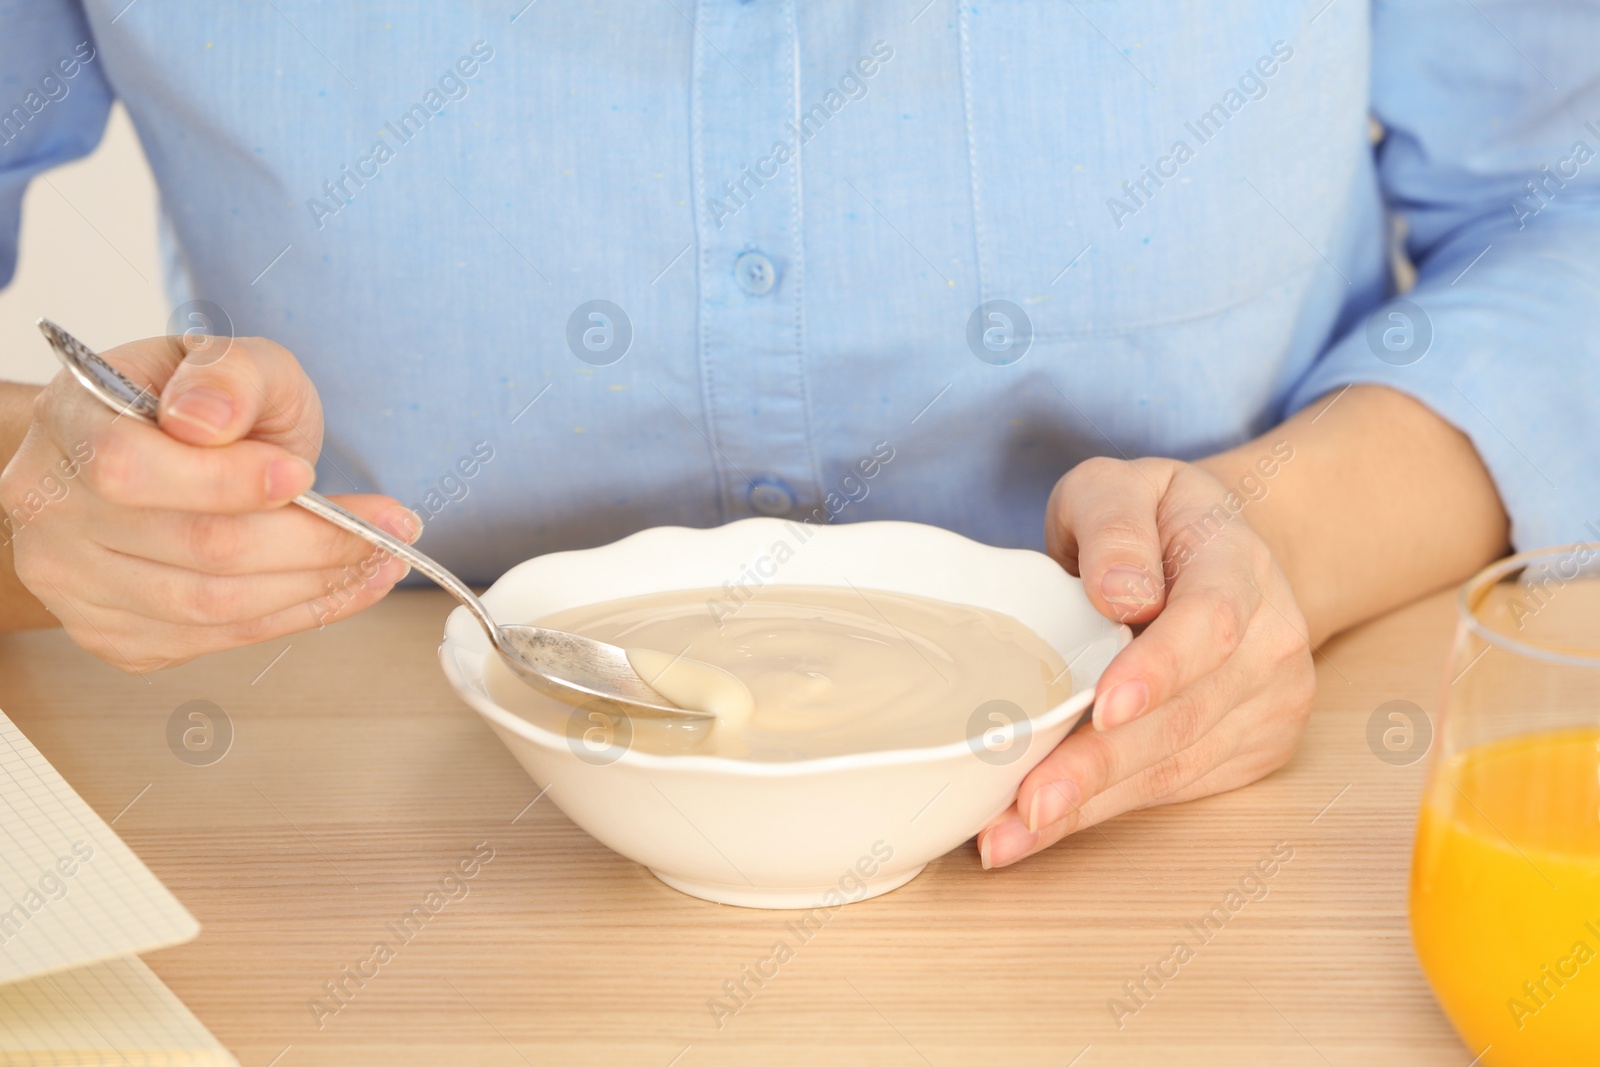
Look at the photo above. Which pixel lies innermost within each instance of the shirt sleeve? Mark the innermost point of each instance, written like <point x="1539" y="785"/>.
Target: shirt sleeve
<point x="54" y="100"/>
<point x="1492" y="158"/>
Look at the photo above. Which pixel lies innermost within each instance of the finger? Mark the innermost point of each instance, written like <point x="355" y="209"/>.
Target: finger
<point x="1255" y="703"/>
<point x="1208" y="608"/>
<point x="133" y="465"/>
<point x="1256" y="739"/>
<point x="1103" y="524"/>
<point x="283" y="539"/>
<point x="228" y="387"/>
<point x="133" y="643"/>
<point x="215" y="390"/>
<point x="170" y="594"/>
<point x="1089" y="766"/>
<point x="1008" y="840"/>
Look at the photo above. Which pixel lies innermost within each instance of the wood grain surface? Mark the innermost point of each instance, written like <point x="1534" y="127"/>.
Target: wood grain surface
<point x="356" y="781"/>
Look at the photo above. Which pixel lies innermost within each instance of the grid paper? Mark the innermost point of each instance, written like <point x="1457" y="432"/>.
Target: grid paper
<point x="71" y="892"/>
<point x="115" y="1013"/>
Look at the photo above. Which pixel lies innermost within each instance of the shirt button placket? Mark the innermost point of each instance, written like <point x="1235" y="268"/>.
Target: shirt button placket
<point x="748" y="222"/>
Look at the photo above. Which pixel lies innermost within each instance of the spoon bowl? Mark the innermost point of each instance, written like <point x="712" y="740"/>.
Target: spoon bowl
<point x="574" y="669"/>
<point x="570" y="667"/>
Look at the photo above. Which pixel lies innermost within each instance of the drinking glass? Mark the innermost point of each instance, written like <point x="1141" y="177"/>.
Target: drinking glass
<point x="1505" y="877"/>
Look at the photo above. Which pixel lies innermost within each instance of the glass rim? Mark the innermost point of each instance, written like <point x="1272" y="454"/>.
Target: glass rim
<point x="1471" y="593"/>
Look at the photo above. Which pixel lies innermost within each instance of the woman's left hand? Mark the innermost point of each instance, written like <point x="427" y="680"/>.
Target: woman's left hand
<point x="1214" y="692"/>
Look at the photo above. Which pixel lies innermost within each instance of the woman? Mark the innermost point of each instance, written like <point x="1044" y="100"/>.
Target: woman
<point x="644" y="265"/>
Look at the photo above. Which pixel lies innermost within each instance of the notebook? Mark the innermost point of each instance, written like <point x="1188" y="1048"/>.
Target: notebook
<point x="76" y="907"/>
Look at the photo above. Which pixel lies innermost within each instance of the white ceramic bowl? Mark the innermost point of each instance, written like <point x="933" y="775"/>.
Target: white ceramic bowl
<point x="810" y="833"/>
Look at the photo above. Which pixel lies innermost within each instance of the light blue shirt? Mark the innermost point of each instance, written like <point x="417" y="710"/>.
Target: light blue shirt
<point x="674" y="262"/>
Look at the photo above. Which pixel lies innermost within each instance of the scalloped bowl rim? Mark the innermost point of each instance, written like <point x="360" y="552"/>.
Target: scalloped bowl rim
<point x="463" y="682"/>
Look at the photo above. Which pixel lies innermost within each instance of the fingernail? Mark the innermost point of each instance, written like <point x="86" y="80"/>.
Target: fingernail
<point x="1123" y="584"/>
<point x="202" y="406"/>
<point x="1124" y="703"/>
<point x="1007" y="843"/>
<point x="402" y="522"/>
<point x="983" y="852"/>
<point x="288" y="478"/>
<point x="1052" y="803"/>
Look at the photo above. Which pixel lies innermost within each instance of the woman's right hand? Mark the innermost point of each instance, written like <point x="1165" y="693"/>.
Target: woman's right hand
<point x="153" y="546"/>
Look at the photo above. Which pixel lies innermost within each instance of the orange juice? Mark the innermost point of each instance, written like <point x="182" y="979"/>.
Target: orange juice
<point x="1505" y="897"/>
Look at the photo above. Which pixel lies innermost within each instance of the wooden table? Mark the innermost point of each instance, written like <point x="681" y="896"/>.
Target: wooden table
<point x="356" y="781"/>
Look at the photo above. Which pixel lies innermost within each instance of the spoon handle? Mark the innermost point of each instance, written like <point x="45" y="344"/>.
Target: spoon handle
<point x="321" y="506"/>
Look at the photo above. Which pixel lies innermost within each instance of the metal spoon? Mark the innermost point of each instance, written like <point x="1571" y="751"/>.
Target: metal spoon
<point x="567" y="666"/>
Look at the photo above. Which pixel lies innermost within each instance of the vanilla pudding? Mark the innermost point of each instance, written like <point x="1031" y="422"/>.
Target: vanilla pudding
<point x="826" y="670"/>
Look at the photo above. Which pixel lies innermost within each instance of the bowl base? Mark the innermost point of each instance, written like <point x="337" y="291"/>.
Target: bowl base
<point x="779" y="898"/>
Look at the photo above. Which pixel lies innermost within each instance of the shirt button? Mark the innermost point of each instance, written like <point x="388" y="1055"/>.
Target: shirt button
<point x="769" y="496"/>
<point x="755" y="273"/>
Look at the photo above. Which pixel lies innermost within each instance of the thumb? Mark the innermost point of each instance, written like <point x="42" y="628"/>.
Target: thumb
<point x="226" y="388"/>
<point x="1104" y="524"/>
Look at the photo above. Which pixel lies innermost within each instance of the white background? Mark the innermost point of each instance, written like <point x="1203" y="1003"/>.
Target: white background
<point x="88" y="259"/>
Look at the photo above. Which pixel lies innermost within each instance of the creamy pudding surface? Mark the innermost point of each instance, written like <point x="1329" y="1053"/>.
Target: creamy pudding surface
<point x="832" y="670"/>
